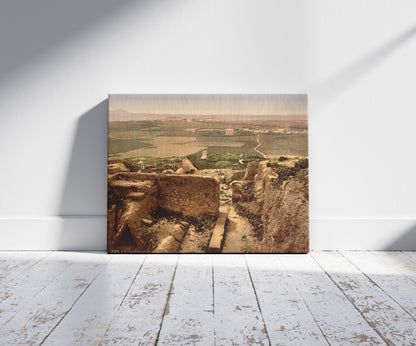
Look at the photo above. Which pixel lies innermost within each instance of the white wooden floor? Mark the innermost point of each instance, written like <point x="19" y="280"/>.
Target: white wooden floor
<point x="78" y="298"/>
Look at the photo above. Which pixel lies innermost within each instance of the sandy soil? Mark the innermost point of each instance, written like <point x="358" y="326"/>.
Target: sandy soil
<point x="239" y="235"/>
<point x="189" y="238"/>
<point x="195" y="242"/>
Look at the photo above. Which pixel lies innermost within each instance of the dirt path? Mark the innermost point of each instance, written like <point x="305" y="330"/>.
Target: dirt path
<point x="238" y="235"/>
<point x="258" y="146"/>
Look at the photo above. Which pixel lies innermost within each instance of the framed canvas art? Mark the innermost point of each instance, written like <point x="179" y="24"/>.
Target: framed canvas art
<point x="208" y="174"/>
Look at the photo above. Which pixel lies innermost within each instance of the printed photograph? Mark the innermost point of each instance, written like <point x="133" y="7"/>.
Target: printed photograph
<point x="208" y="173"/>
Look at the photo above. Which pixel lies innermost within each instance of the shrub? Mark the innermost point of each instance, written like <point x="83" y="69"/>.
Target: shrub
<point x="223" y="164"/>
<point x="302" y="164"/>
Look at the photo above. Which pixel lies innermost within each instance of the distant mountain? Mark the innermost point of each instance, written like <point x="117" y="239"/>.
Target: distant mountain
<point x="266" y="117"/>
<point x="123" y="115"/>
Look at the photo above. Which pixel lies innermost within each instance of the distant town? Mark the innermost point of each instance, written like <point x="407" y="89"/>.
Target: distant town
<point x="281" y="130"/>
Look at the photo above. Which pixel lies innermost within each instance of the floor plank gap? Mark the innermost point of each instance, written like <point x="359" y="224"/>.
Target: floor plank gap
<point x="134" y="279"/>
<point x="313" y="316"/>
<point x="66" y="313"/>
<point x="380" y="287"/>
<point x="389" y="320"/>
<point x="167" y="301"/>
<point x="257" y="300"/>
<point x="350" y="300"/>
<point x="325" y="297"/>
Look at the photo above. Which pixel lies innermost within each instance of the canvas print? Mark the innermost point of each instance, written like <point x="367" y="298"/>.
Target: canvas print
<point x="208" y="174"/>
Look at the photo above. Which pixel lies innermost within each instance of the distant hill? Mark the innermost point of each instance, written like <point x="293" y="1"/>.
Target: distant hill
<point x="123" y="115"/>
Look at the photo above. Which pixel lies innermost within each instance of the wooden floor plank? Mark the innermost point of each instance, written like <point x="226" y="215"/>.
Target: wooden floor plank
<point x="14" y="263"/>
<point x="238" y="320"/>
<point x="386" y="276"/>
<point x="16" y="293"/>
<point x="391" y="322"/>
<point x="31" y="324"/>
<point x="401" y="261"/>
<point x="89" y="319"/>
<point x="189" y="318"/>
<point x="338" y="319"/>
<point x="411" y="255"/>
<point x="79" y="299"/>
<point x="139" y="317"/>
<point x="287" y="317"/>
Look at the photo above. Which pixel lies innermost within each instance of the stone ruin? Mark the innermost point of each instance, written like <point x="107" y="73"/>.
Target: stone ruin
<point x="134" y="196"/>
<point x="278" y="207"/>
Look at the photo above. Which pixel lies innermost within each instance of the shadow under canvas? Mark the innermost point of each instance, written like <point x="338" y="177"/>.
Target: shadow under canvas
<point x="83" y="202"/>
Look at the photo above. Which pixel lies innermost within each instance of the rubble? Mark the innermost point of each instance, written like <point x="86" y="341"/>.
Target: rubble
<point x="134" y="196"/>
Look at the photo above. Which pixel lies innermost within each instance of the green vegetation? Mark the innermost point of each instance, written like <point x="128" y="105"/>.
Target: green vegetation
<point x="158" y="137"/>
<point x="222" y="160"/>
<point x="246" y="149"/>
<point x="116" y="146"/>
<point x="284" y="144"/>
<point x="211" y="133"/>
<point x="285" y="172"/>
<point x="148" y="164"/>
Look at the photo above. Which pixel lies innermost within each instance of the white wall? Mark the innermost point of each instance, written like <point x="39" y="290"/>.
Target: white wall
<point x="60" y="59"/>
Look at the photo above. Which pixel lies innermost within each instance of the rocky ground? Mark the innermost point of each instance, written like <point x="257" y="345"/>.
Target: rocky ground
<point x="267" y="207"/>
<point x="240" y="236"/>
<point x="175" y="233"/>
<point x="275" y="200"/>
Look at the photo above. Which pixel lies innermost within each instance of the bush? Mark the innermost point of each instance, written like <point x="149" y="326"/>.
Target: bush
<point x="220" y="160"/>
<point x="223" y="164"/>
<point x="285" y="172"/>
<point x="302" y="164"/>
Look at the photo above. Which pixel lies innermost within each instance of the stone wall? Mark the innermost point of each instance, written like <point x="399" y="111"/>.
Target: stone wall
<point x="286" y="216"/>
<point x="132" y="197"/>
<point x="189" y="195"/>
<point x="130" y="200"/>
<point x="279" y="207"/>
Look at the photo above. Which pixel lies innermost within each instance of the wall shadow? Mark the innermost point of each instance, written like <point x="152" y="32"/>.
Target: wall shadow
<point x="83" y="205"/>
<point x="337" y="83"/>
<point x="84" y="191"/>
<point x="407" y="242"/>
<point x="31" y="29"/>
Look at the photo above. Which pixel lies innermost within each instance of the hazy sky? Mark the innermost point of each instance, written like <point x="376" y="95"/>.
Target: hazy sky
<point x="250" y="104"/>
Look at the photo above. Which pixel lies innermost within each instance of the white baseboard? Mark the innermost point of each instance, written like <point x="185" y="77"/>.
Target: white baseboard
<point x="89" y="233"/>
<point x="363" y="234"/>
<point x="54" y="233"/>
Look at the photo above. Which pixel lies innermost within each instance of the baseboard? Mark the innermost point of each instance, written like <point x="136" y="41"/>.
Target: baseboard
<point x="89" y="233"/>
<point x="54" y="233"/>
<point x="363" y="234"/>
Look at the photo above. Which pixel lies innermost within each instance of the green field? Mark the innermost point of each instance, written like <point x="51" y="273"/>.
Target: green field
<point x="181" y="138"/>
<point x="287" y="144"/>
<point x="117" y="146"/>
<point x="223" y="160"/>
